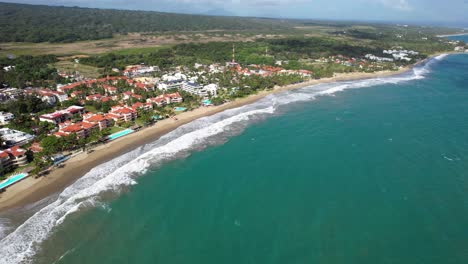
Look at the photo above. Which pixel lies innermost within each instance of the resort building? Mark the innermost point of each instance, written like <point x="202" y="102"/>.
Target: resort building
<point x="101" y="121"/>
<point x="122" y="114"/>
<point x="138" y="70"/>
<point x="12" y="158"/>
<point x="13" y="137"/>
<point x="199" y="90"/>
<point x="158" y="101"/>
<point x="81" y="129"/>
<point x="6" y="117"/>
<point x="176" y="84"/>
<point x="212" y="89"/>
<point x="62" y="115"/>
<point x="166" y="99"/>
<point x="194" y="88"/>
<point x="51" y="97"/>
<point x="143" y="106"/>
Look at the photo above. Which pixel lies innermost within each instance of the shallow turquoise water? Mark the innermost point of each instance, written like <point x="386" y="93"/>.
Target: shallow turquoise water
<point x="12" y="180"/>
<point x="372" y="175"/>
<point x="120" y="134"/>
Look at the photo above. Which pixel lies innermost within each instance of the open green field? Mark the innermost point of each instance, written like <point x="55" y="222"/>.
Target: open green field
<point x="71" y="66"/>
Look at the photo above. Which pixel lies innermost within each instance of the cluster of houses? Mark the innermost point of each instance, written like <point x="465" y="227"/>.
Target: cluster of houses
<point x="117" y="115"/>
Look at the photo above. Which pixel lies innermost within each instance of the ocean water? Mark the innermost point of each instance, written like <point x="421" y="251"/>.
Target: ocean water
<point x="370" y="171"/>
<point x="461" y="37"/>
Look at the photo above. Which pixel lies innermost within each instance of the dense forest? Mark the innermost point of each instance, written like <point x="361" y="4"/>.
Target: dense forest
<point x="27" y="70"/>
<point x="38" y="23"/>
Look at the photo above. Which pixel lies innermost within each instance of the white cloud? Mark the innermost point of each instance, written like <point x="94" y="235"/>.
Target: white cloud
<point x="397" y="4"/>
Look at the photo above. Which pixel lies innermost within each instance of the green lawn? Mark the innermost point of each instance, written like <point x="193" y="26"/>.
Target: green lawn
<point x="116" y="129"/>
<point x="91" y="109"/>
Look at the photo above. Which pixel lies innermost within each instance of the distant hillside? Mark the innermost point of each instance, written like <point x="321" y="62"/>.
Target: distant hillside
<point x="39" y="23"/>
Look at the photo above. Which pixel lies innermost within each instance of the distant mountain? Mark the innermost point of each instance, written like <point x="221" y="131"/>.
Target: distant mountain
<point x="218" y="12"/>
<point x="40" y="23"/>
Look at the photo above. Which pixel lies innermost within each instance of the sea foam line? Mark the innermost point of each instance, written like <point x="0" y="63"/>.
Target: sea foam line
<point x="21" y="245"/>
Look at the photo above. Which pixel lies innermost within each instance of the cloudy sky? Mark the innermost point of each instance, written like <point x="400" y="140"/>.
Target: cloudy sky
<point x="452" y="12"/>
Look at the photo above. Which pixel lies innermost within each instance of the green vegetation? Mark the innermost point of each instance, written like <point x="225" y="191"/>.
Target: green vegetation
<point x="35" y="23"/>
<point x="72" y="67"/>
<point x="28" y="71"/>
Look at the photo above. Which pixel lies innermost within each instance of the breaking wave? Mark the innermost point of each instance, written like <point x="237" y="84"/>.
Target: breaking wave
<point x="21" y="245"/>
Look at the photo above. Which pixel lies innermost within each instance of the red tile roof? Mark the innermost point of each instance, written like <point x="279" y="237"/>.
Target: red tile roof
<point x="72" y="128"/>
<point x="95" y="118"/>
<point x="16" y="151"/>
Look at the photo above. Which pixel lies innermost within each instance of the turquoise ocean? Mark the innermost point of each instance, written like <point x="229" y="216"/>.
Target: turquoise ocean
<point x="364" y="172"/>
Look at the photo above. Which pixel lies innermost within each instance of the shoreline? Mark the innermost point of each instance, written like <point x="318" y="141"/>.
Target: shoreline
<point x="31" y="190"/>
<point x="452" y="35"/>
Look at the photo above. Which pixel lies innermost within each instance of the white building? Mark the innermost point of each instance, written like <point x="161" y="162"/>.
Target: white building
<point x="176" y="77"/>
<point x="8" y="68"/>
<point x="212" y="89"/>
<point x="194" y="88"/>
<point x="13" y="137"/>
<point x="164" y="86"/>
<point x="375" y="58"/>
<point x="6" y="117"/>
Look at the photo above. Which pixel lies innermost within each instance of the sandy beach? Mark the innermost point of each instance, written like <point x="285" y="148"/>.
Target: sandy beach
<point x="31" y="190"/>
<point x="453" y="35"/>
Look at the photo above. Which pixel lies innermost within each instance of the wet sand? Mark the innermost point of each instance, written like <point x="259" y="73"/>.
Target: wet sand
<point x="32" y="190"/>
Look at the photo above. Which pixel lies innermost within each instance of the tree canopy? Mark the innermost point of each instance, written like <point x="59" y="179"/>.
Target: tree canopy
<point x="39" y="23"/>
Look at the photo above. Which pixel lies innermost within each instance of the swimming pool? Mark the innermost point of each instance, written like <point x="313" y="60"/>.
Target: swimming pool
<point x="12" y="180"/>
<point x="179" y="109"/>
<point x="120" y="134"/>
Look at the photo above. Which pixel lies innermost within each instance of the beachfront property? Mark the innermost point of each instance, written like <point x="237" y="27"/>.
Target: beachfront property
<point x="167" y="85"/>
<point x="142" y="106"/>
<point x="12" y="158"/>
<point x="6" y="117"/>
<point x="199" y="90"/>
<point x="81" y="129"/>
<point x="122" y="114"/>
<point x="11" y="137"/>
<point x="60" y="116"/>
<point x="166" y="99"/>
<point x="99" y="120"/>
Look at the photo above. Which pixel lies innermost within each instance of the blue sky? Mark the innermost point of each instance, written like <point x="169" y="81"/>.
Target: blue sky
<point x="453" y="12"/>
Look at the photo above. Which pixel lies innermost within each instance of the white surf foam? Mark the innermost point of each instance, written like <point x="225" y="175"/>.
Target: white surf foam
<point x="21" y="245"/>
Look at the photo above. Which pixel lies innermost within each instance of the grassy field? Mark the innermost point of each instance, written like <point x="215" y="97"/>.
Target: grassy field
<point x="124" y="44"/>
<point x="71" y="66"/>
